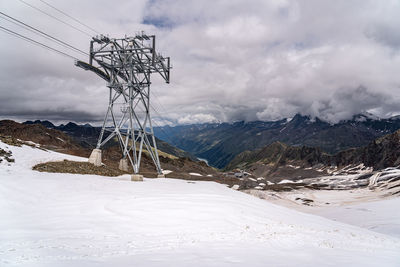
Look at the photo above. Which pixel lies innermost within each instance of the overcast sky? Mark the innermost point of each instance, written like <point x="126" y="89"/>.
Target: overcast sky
<point x="232" y="60"/>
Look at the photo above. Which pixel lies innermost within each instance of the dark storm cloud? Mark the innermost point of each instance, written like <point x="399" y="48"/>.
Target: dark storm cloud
<point x="232" y="60"/>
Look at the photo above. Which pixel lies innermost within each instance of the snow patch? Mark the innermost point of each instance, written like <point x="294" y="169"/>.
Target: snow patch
<point x="286" y="182"/>
<point x="58" y="138"/>
<point x="235" y="187"/>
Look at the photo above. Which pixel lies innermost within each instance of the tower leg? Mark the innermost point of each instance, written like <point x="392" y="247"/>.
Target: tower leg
<point x="95" y="157"/>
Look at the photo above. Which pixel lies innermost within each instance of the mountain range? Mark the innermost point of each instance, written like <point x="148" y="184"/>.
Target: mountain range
<point x="280" y="161"/>
<point x="219" y="143"/>
<point x="274" y="162"/>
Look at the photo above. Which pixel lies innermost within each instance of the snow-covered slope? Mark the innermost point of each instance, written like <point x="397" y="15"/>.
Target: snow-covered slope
<point x="380" y="216"/>
<point x="375" y="210"/>
<point x="84" y="220"/>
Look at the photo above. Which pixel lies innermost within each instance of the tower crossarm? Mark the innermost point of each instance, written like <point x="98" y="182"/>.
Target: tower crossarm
<point x="98" y="71"/>
<point x="133" y="55"/>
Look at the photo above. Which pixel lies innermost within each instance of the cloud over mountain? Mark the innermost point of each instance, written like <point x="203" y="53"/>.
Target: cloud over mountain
<point x="232" y="60"/>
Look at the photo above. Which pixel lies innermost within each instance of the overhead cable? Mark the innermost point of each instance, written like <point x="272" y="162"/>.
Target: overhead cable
<point x="69" y="16"/>
<point x="54" y="17"/>
<point x="35" y="42"/>
<point x="37" y="31"/>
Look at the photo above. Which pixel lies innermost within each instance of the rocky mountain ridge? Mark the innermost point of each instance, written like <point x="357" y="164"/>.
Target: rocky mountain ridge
<point x="283" y="161"/>
<point x="87" y="135"/>
<point x="219" y="143"/>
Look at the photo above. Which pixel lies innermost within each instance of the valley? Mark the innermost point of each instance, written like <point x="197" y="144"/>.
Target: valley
<point x="219" y="143"/>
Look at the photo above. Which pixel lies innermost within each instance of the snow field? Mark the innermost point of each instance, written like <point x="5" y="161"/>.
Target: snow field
<point x="52" y="219"/>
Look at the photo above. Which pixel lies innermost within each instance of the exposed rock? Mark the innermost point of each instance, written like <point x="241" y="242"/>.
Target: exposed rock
<point x="37" y="133"/>
<point x="77" y="167"/>
<point x="6" y="155"/>
<point x="279" y="160"/>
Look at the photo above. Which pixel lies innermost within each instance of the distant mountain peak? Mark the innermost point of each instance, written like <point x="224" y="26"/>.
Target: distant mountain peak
<point x="45" y="123"/>
<point x="71" y="124"/>
<point x="397" y="117"/>
<point x="364" y="116"/>
<point x="298" y="116"/>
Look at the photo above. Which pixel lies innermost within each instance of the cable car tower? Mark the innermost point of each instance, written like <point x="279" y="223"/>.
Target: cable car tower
<point x="126" y="65"/>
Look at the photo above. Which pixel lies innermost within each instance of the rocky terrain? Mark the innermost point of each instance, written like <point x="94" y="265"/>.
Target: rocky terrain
<point x="6" y="155"/>
<point x="86" y="136"/>
<point x="372" y="170"/>
<point x="279" y="161"/>
<point x="14" y="132"/>
<point x="219" y="143"/>
<point x="45" y="135"/>
<point x="76" y="167"/>
<point x="276" y="167"/>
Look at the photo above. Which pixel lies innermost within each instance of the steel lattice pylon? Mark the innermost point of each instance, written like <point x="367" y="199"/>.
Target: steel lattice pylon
<point x="126" y="64"/>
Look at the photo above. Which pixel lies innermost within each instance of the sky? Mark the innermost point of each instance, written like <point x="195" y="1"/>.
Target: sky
<point x="232" y="60"/>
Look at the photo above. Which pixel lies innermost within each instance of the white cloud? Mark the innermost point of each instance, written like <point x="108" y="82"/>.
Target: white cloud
<point x="232" y="60"/>
<point x="197" y="118"/>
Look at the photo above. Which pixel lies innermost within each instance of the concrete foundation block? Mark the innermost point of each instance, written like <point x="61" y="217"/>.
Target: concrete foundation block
<point x="161" y="176"/>
<point x="95" y="157"/>
<point x="137" y="178"/>
<point x="123" y="165"/>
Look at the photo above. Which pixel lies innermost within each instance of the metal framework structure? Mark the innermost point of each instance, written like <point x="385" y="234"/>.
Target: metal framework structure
<point x="127" y="64"/>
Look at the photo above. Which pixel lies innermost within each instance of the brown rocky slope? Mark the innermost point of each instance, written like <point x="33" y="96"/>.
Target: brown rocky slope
<point x="11" y="132"/>
<point x="279" y="160"/>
